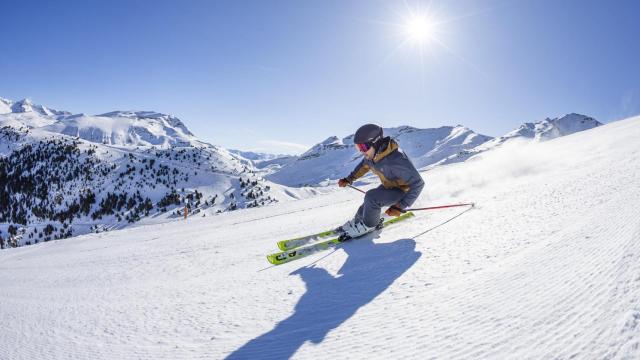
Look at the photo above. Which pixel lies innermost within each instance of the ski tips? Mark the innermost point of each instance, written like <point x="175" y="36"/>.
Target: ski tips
<point x="271" y="260"/>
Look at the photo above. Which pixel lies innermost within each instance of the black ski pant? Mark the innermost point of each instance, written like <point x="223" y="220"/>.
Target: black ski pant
<point x="374" y="200"/>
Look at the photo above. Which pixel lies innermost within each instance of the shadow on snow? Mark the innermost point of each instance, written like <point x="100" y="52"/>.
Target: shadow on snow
<point x="329" y="301"/>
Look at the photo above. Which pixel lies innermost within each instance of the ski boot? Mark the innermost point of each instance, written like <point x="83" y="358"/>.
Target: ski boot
<point x="356" y="228"/>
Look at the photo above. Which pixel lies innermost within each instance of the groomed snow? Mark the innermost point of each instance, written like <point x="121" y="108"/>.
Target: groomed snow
<point x="546" y="266"/>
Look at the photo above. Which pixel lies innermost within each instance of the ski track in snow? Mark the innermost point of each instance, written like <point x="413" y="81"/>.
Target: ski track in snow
<point x="547" y="266"/>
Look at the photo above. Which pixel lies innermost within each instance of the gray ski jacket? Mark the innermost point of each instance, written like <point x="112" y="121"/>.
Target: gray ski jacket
<point x="394" y="169"/>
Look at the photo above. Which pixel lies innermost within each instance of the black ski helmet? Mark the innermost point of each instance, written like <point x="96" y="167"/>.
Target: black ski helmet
<point x="368" y="134"/>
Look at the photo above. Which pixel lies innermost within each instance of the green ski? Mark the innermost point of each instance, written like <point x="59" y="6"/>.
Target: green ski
<point x="303" y="251"/>
<point x="285" y="245"/>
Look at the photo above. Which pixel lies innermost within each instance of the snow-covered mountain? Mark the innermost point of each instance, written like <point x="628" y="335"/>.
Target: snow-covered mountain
<point x="131" y="129"/>
<point x="265" y="163"/>
<point x="334" y="158"/>
<point x="64" y="175"/>
<point x="27" y="106"/>
<point x="25" y="113"/>
<point x="257" y="156"/>
<point x="546" y="129"/>
<point x="552" y="128"/>
<point x="118" y="128"/>
<point x="546" y="266"/>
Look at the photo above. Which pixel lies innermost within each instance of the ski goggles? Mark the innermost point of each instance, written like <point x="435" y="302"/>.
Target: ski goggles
<point x="363" y="147"/>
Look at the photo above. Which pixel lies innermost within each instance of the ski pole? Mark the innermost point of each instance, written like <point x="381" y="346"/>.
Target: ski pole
<point x="420" y="209"/>
<point x="439" y="207"/>
<point x="355" y="188"/>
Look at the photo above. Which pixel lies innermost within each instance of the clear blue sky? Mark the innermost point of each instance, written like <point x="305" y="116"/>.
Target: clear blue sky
<point x="257" y="75"/>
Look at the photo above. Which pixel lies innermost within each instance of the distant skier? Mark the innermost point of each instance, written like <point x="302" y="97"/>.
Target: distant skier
<point x="401" y="182"/>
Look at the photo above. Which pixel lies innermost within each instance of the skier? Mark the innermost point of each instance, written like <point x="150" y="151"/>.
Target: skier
<point x="401" y="182"/>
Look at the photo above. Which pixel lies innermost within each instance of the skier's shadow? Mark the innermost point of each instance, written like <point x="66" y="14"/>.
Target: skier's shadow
<point x="329" y="301"/>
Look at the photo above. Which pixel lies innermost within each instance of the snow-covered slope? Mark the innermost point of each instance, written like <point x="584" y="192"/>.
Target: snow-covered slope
<point x="29" y="120"/>
<point x="5" y="105"/>
<point x="256" y="156"/>
<point x="329" y="159"/>
<point x="54" y="186"/>
<point x="118" y="128"/>
<point x="546" y="266"/>
<point x="265" y="163"/>
<point x="26" y="113"/>
<point x="26" y="106"/>
<point x="64" y="175"/>
<point x="335" y="158"/>
<point x="428" y="146"/>
<point x="129" y="129"/>
<point x="540" y="131"/>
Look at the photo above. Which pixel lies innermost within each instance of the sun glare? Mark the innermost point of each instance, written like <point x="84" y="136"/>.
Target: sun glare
<point x="422" y="30"/>
<point x="419" y="29"/>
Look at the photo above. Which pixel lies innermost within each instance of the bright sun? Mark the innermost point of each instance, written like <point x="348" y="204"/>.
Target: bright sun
<point x="423" y="30"/>
<point x="419" y="29"/>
